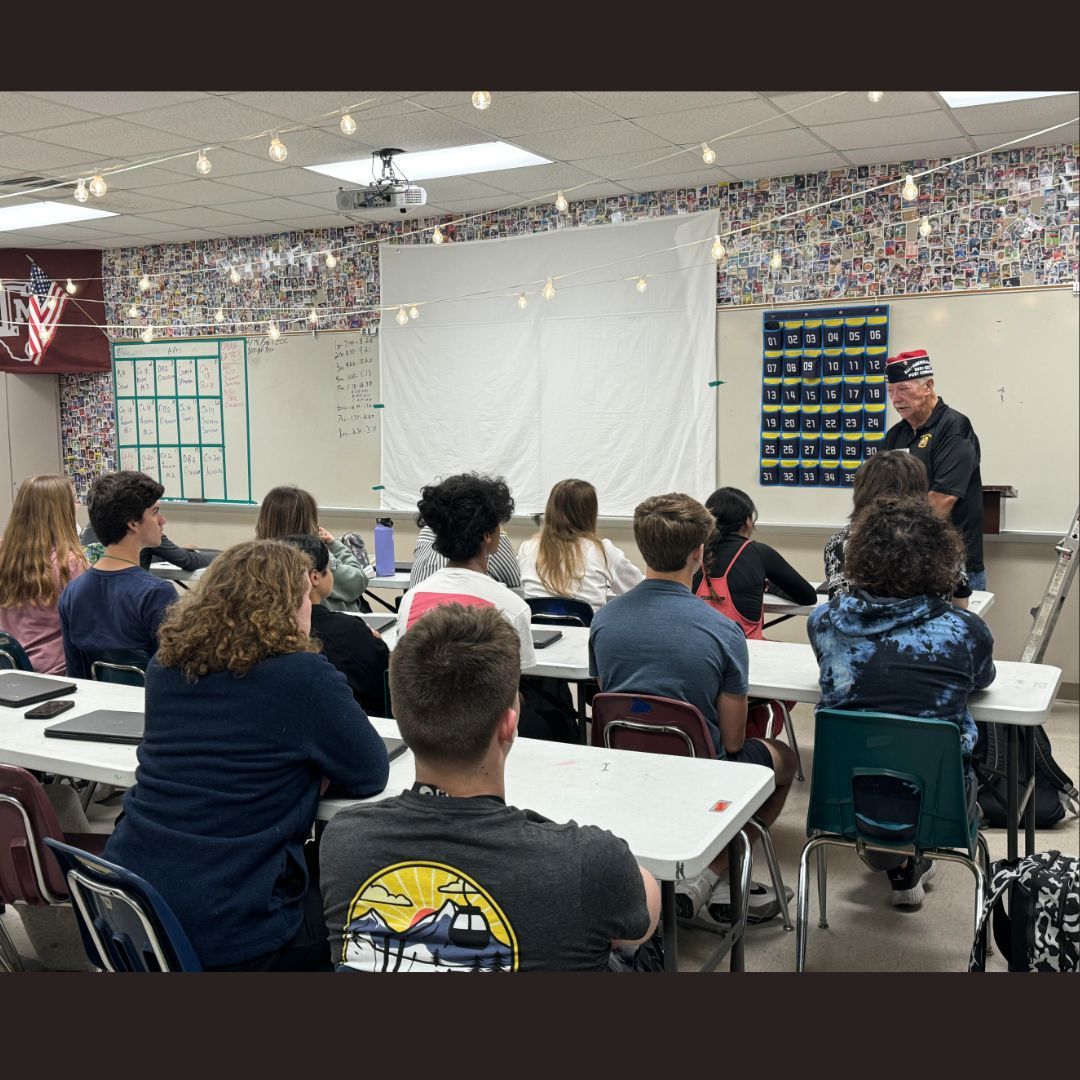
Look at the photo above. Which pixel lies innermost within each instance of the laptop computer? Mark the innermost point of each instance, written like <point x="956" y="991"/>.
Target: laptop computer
<point x="380" y="622"/>
<point x="108" y="725"/>
<point x="18" y="689"/>
<point x="101" y="725"/>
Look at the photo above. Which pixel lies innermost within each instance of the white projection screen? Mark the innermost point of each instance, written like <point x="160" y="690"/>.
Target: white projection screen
<point x="602" y="382"/>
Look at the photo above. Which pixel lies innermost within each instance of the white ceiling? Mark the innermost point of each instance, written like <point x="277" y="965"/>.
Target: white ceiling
<point x="601" y="143"/>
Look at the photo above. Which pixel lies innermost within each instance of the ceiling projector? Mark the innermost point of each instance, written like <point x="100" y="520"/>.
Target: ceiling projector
<point x="389" y="191"/>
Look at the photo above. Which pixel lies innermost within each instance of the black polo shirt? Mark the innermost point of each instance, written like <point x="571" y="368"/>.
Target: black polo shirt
<point x="949" y="448"/>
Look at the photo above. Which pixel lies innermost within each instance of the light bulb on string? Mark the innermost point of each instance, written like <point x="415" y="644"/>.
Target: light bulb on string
<point x="46" y="333"/>
<point x="437" y="236"/>
<point x="219" y="315"/>
<point x="561" y="204"/>
<point x="234" y="275"/>
<point x="148" y="334"/>
<point x="98" y="187"/>
<point x="331" y="260"/>
<point x="924" y="227"/>
<point x="717" y="251"/>
<point x="548" y="292"/>
<point x="70" y="287"/>
<point x="272" y="330"/>
<point x="414" y="312"/>
<point x="402" y="316"/>
<point x="313" y="316"/>
<point x="133" y="311"/>
<point x="347" y="125"/>
<point x="277" y="149"/>
<point x="641" y="285"/>
<point x="909" y="191"/>
<point x="50" y="304"/>
<point x="708" y="154"/>
<point x="481" y="99"/>
<point x="875" y="95"/>
<point x="522" y="301"/>
<point x="776" y="261"/>
<point x="144" y="283"/>
<point x="203" y="164"/>
<point x="81" y="194"/>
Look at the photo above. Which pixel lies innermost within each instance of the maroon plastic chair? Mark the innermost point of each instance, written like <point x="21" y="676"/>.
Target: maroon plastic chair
<point x="659" y="725"/>
<point x="29" y="873"/>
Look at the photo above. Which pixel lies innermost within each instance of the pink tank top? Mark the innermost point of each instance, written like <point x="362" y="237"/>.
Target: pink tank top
<point x="715" y="593"/>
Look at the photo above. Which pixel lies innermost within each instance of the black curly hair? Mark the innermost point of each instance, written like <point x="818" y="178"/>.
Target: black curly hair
<point x="461" y="510"/>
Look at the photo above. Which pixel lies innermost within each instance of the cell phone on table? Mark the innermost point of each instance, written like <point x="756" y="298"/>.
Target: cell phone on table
<point x="48" y="709"/>
<point x="543" y="638"/>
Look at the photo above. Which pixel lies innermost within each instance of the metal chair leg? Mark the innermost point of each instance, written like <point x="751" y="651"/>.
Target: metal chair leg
<point x="774" y="869"/>
<point x="984" y="851"/>
<point x="802" y="913"/>
<point x="793" y="742"/>
<point x="822" y="885"/>
<point x="87" y="794"/>
<point x="9" y="955"/>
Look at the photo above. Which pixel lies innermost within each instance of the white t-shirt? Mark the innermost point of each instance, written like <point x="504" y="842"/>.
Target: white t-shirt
<point x="455" y="585"/>
<point x="607" y="574"/>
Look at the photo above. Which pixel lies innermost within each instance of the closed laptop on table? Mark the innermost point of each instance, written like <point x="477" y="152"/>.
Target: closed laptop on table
<point x="18" y="689"/>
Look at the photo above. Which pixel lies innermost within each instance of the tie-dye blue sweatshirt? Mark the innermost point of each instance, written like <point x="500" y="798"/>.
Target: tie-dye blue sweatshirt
<point x="918" y="657"/>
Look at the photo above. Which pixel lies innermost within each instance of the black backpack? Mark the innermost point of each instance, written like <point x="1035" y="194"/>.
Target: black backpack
<point x="1054" y="790"/>
<point x="1041" y="929"/>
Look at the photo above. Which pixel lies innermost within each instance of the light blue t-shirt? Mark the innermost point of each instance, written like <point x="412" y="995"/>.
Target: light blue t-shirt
<point x="661" y="639"/>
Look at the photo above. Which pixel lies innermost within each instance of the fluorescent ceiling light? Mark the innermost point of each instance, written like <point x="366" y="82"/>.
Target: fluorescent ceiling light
<point x="429" y="164"/>
<point x="34" y="215"/>
<point x="960" y="99"/>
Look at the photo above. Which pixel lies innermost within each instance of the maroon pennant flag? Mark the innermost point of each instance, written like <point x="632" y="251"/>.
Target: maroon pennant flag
<point x="43" y="327"/>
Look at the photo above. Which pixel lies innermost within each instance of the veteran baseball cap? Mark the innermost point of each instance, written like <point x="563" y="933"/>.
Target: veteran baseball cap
<point x="908" y="365"/>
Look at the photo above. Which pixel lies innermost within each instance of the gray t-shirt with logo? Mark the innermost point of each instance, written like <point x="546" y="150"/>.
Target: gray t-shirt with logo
<point x="424" y="882"/>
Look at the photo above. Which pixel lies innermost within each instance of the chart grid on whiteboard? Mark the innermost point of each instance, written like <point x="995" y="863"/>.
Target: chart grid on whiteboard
<point x="182" y="416"/>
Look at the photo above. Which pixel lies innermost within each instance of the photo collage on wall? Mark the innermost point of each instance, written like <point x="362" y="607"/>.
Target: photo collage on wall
<point x="823" y="393"/>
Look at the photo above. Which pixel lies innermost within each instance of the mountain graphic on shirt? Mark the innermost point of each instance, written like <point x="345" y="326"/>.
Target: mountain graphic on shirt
<point x="457" y="937"/>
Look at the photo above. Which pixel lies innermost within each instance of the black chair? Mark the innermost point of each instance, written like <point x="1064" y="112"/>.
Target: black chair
<point x="13" y="655"/>
<point x="559" y="611"/>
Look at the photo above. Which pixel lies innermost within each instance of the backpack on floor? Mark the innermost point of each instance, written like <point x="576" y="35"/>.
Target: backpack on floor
<point x="1054" y="790"/>
<point x="1041" y="929"/>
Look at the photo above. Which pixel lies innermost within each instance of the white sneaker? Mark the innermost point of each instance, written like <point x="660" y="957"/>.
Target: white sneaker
<point x="690" y="894"/>
<point x="763" y="906"/>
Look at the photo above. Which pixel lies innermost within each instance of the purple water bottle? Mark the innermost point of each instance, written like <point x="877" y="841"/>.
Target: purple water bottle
<point x="384" y="547"/>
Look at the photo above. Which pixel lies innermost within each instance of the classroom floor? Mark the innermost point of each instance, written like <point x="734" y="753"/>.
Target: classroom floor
<point x="866" y="933"/>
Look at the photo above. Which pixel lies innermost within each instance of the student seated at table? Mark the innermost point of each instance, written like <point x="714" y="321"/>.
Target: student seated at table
<point x="895" y="644"/>
<point x="567" y="558"/>
<point x="660" y="639"/>
<point x="288" y="510"/>
<point x="446" y="876"/>
<point x="466" y="513"/>
<point x="39" y="554"/>
<point x="891" y="472"/>
<point x="502" y="563"/>
<point x="246" y="723"/>
<point x="116" y="604"/>
<point x="348" y="643"/>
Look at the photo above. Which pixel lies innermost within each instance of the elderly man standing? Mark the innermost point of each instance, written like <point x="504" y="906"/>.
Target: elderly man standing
<point x="945" y="442"/>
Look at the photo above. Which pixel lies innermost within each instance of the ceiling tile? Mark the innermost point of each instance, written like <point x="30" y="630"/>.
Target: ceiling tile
<point x="631" y="103"/>
<point x="603" y="189"/>
<point x="21" y="153"/>
<point x="636" y="164"/>
<point x="895" y="131"/>
<point x="147" y="177"/>
<point x="110" y="137"/>
<point x="888" y="155"/>
<point x="1030" y="115"/>
<point x="117" y="102"/>
<point x="199" y="216"/>
<point x="472" y="206"/>
<point x="311" y="105"/>
<point x="23" y="112"/>
<point x="133" y="202"/>
<point x="423" y="130"/>
<point x="691" y="179"/>
<point x="747" y="148"/>
<point x="854" y="105"/>
<point x="787" y="166"/>
<point x="714" y="121"/>
<point x="225" y="161"/>
<point x="200" y="192"/>
<point x="529" y="113"/>
<point x="268" y="209"/>
<point x="1065" y="135"/>
<point x="312" y="147"/>
<point x="536" y="177"/>
<point x="286" y="181"/>
<point x="459" y="187"/>
<point x="592" y="141"/>
<point x="211" y="120"/>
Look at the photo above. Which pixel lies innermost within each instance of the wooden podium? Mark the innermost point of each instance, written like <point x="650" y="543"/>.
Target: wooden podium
<point x="993" y="511"/>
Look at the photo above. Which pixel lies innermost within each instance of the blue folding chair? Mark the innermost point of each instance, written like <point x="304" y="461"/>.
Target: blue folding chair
<point x="124" y="922"/>
<point x="559" y="611"/>
<point x="13" y="655"/>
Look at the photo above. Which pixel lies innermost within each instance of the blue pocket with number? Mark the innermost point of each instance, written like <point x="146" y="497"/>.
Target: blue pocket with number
<point x="769" y="473"/>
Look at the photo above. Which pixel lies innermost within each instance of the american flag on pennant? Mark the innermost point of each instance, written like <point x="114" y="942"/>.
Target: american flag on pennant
<point x="47" y="301"/>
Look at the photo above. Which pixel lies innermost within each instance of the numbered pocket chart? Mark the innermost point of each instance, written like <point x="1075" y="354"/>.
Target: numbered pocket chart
<point x="823" y="393"/>
<point x="182" y="416"/>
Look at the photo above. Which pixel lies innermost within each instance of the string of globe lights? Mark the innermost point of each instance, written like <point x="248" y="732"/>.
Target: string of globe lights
<point x="405" y="313"/>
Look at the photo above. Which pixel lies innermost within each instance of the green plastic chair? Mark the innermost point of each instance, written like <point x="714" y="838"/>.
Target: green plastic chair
<point x="854" y="750"/>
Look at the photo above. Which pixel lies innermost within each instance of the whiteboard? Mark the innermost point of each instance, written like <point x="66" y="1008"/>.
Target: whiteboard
<point x="1007" y="359"/>
<point x="303" y="413"/>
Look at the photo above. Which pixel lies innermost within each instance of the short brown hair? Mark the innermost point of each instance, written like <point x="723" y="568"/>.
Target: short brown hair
<point x="900" y="547"/>
<point x="667" y="528"/>
<point x="892" y="472"/>
<point x="242" y="612"/>
<point x="451" y="677"/>
<point x="286" y="511"/>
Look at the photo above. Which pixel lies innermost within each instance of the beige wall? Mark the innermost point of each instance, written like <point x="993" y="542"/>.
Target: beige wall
<point x="1018" y="571"/>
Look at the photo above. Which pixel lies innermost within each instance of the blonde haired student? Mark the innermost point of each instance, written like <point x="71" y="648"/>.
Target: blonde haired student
<point x="568" y="558"/>
<point x="39" y="554"/>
